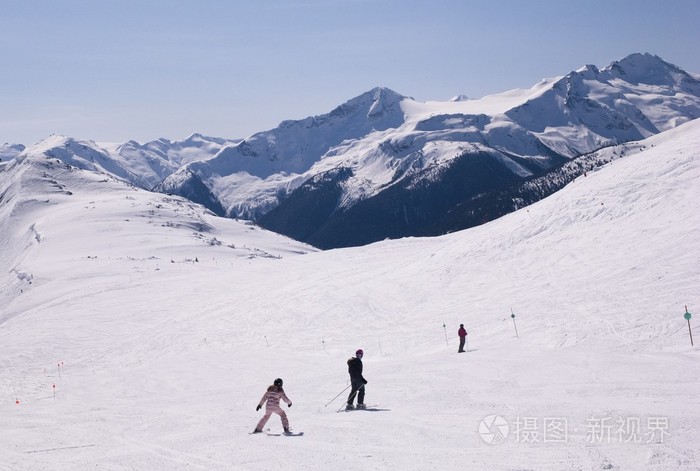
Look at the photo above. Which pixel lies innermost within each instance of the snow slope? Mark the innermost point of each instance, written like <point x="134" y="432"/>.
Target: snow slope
<point x="158" y="361"/>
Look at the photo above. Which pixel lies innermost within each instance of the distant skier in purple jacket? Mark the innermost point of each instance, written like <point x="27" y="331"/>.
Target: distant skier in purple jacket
<point x="462" y="332"/>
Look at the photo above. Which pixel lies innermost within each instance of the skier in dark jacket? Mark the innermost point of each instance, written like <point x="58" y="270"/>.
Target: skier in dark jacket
<point x="462" y="332"/>
<point x="357" y="381"/>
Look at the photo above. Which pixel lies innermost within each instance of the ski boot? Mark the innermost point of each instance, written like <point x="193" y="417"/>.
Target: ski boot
<point x="349" y="407"/>
<point x="361" y="406"/>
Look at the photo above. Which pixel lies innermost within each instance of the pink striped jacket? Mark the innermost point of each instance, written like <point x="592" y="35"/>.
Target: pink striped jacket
<point x="273" y="396"/>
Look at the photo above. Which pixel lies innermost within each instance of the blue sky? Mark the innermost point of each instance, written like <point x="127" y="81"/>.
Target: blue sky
<point x="111" y="70"/>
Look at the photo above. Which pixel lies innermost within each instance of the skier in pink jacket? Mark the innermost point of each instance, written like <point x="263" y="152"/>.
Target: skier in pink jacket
<point x="273" y="395"/>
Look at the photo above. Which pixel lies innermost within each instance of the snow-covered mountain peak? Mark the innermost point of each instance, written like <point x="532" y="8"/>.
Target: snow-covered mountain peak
<point x="385" y="100"/>
<point x="85" y="155"/>
<point x="194" y="136"/>
<point x="647" y="69"/>
<point x="199" y="140"/>
<point x="380" y="103"/>
<point x="295" y="145"/>
<point x="48" y="142"/>
<point x="68" y="149"/>
<point x="630" y="99"/>
<point x="143" y="165"/>
<point x="588" y="70"/>
<point x="383" y="94"/>
<point x="128" y="144"/>
<point x="371" y="104"/>
<point x="459" y="98"/>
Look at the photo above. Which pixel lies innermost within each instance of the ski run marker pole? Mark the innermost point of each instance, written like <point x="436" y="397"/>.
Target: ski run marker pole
<point x="336" y="397"/>
<point x="512" y="315"/>
<point x="687" y="316"/>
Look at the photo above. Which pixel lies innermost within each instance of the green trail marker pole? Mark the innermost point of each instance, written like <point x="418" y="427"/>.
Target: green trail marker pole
<point x="687" y="316"/>
<point x="445" y="327"/>
<point x="512" y="316"/>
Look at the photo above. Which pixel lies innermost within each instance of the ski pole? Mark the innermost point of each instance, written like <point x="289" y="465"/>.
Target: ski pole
<point x="336" y="397"/>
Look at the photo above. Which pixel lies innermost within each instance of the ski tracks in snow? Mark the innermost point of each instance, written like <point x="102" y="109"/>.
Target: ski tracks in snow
<point x="171" y="455"/>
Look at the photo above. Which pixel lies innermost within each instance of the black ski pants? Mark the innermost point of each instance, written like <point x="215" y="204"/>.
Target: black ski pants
<point x="358" y="389"/>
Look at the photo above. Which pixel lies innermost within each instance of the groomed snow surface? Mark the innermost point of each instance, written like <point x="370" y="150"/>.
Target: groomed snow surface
<point x="161" y="326"/>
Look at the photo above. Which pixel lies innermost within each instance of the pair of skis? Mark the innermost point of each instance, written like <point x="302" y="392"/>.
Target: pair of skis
<point x="283" y="434"/>
<point x="373" y="407"/>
